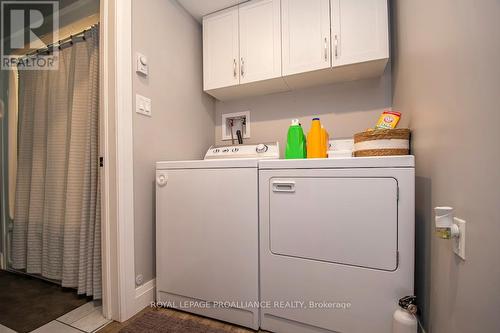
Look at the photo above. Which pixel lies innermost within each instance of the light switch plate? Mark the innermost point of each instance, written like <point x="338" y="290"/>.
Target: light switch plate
<point x="143" y="105"/>
<point x="459" y="243"/>
<point x="141" y="64"/>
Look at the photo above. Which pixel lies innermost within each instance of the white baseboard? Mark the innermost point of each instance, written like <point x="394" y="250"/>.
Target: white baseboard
<point x="144" y="296"/>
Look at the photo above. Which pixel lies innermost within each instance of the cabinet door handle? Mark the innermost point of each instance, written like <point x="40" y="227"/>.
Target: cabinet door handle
<point x="336" y="46"/>
<point x="326" y="49"/>
<point x="242" y="67"/>
<point x="234" y="68"/>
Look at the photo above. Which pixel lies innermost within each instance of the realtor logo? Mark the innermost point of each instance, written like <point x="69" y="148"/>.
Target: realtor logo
<point x="28" y="29"/>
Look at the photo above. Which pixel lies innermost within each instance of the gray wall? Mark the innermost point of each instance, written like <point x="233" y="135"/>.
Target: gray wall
<point x="447" y="75"/>
<point x="182" y="120"/>
<point x="344" y="109"/>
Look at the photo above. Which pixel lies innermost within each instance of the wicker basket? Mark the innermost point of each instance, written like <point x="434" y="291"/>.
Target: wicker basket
<point x="382" y="142"/>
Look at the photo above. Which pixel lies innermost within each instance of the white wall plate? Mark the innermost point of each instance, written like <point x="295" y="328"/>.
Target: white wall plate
<point x="143" y="105"/>
<point x="459" y="243"/>
<point x="141" y="66"/>
<point x="226" y="133"/>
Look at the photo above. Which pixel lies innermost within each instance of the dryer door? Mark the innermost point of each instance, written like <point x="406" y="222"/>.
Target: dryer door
<point x="342" y="220"/>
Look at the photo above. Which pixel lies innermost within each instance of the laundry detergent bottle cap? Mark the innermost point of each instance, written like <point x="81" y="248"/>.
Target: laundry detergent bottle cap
<point x="296" y="141"/>
<point x="315" y="140"/>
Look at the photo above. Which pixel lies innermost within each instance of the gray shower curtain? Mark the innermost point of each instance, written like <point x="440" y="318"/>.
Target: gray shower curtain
<point x="57" y="223"/>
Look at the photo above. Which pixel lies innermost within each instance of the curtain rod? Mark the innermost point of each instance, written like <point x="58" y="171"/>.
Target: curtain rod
<point x="59" y="43"/>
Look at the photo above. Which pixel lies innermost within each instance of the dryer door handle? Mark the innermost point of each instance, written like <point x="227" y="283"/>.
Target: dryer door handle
<point x="283" y="186"/>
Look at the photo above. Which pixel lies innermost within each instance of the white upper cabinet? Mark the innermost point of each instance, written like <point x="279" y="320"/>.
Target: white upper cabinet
<point x="266" y="46"/>
<point x="359" y="31"/>
<point x="260" y="40"/>
<point x="221" y="49"/>
<point x="305" y="35"/>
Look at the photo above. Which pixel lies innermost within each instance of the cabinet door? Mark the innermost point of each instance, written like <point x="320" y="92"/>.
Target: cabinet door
<point x="260" y="40"/>
<point x="220" y="49"/>
<point x="306" y="35"/>
<point x="359" y="31"/>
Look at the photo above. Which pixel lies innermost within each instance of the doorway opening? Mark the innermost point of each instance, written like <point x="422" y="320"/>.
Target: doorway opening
<point x="51" y="180"/>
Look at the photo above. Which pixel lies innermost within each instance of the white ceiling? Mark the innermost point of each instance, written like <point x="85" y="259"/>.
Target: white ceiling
<point x="200" y="8"/>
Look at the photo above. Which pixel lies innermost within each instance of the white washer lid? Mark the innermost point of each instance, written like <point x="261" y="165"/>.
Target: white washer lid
<point x="209" y="164"/>
<point x="406" y="161"/>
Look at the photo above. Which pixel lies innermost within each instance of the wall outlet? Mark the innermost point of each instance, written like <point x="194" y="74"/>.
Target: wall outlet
<point x="459" y="243"/>
<point x="139" y="280"/>
<point x="143" y="105"/>
<point x="238" y="118"/>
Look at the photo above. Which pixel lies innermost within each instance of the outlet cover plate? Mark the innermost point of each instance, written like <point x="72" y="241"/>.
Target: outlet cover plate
<point x="226" y="133"/>
<point x="459" y="243"/>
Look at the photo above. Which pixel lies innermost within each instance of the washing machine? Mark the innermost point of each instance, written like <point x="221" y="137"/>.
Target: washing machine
<point x="336" y="243"/>
<point x="207" y="233"/>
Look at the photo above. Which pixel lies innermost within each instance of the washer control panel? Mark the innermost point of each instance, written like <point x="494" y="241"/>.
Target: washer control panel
<point x="262" y="150"/>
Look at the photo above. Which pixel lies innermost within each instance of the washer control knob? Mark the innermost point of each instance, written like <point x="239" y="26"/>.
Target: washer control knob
<point x="161" y="179"/>
<point x="261" y="148"/>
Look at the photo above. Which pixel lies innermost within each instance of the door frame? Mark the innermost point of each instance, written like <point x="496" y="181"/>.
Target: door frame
<point x="108" y="292"/>
<point x="119" y="270"/>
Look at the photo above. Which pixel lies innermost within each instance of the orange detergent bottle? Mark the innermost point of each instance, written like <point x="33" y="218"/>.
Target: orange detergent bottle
<point x="317" y="140"/>
<point x="325" y="141"/>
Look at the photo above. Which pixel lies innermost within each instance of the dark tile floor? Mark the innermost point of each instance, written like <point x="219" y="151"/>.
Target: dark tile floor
<point x="27" y="303"/>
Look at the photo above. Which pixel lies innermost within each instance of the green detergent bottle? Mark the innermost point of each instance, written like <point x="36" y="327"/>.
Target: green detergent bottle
<point x="296" y="142"/>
